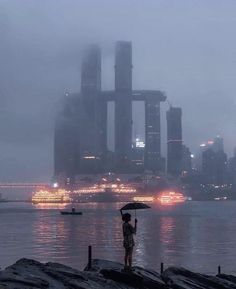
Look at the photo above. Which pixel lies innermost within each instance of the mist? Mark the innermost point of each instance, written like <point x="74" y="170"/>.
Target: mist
<point x="186" y="48"/>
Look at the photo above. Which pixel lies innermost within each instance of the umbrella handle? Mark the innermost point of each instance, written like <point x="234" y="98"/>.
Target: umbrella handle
<point x="135" y="213"/>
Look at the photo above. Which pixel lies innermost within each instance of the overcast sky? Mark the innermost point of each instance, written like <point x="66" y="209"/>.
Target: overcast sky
<point x="186" y="48"/>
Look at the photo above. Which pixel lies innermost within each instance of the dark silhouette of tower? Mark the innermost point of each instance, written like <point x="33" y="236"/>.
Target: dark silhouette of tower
<point x="174" y="140"/>
<point x="94" y="125"/>
<point x="153" y="160"/>
<point x="123" y="66"/>
<point x="91" y="70"/>
<point x="123" y="104"/>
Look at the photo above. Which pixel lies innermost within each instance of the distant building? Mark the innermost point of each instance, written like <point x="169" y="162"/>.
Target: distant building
<point x="123" y="104"/>
<point x="174" y="140"/>
<point x="186" y="159"/>
<point x="214" y="167"/>
<point x="232" y="170"/>
<point x="218" y="144"/>
<point x="137" y="156"/>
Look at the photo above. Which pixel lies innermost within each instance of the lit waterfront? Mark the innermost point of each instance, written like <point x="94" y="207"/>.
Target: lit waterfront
<point x="186" y="234"/>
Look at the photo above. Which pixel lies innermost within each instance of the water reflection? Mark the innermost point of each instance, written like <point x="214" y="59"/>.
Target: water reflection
<point x="199" y="236"/>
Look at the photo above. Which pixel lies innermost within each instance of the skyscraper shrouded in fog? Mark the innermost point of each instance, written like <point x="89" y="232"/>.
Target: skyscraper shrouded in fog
<point x="85" y="120"/>
<point x="174" y="140"/>
<point x="123" y="103"/>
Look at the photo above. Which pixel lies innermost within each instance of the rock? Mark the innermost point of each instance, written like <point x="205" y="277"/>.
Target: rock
<point x="32" y="274"/>
<point x="139" y="278"/>
<point x="103" y="274"/>
<point x="180" y="278"/>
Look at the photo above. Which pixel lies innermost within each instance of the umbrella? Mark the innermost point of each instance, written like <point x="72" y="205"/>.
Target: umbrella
<point x="134" y="206"/>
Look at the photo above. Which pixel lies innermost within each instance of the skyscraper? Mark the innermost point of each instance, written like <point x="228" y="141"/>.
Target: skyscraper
<point x="153" y="160"/>
<point x="218" y="144"/>
<point x="123" y="66"/>
<point x="186" y="159"/>
<point x="214" y="167"/>
<point x="174" y="140"/>
<point x="94" y="109"/>
<point x="123" y="104"/>
<point x="91" y="70"/>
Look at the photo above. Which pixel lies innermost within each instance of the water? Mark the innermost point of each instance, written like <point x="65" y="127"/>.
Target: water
<point x="196" y="235"/>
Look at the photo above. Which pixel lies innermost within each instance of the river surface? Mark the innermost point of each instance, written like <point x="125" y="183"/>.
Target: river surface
<point x="196" y="235"/>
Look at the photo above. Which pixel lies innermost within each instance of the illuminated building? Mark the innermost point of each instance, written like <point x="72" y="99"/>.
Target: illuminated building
<point x="174" y="140"/>
<point x="137" y="157"/>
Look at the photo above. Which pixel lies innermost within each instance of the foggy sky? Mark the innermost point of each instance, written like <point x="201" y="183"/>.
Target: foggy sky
<point x="186" y="48"/>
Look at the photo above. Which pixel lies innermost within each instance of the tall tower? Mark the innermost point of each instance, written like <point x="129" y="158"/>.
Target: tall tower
<point x="95" y="109"/>
<point x="123" y="103"/>
<point x="91" y="70"/>
<point x="174" y="140"/>
<point x="123" y="66"/>
<point x="153" y="159"/>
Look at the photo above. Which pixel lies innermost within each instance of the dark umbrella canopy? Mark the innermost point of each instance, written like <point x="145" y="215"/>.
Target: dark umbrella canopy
<point x="134" y="206"/>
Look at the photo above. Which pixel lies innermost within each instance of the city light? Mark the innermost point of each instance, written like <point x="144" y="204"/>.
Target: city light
<point x="46" y="196"/>
<point x="89" y="157"/>
<point x="55" y="185"/>
<point x="171" y="198"/>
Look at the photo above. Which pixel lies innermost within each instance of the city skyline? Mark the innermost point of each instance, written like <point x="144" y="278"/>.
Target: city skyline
<point x="196" y="73"/>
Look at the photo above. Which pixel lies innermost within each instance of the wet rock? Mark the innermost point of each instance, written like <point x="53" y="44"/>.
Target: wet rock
<point x="31" y="274"/>
<point x="139" y="278"/>
<point x="180" y="278"/>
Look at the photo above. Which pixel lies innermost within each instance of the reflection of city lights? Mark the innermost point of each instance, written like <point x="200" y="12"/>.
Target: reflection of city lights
<point x="170" y="198"/>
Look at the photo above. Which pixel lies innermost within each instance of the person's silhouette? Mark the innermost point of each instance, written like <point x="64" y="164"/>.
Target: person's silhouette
<point x="128" y="231"/>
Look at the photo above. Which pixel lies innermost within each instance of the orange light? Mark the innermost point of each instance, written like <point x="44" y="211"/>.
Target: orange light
<point x="171" y="198"/>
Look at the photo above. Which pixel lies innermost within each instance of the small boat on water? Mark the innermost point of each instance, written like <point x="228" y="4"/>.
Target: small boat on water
<point x="71" y="213"/>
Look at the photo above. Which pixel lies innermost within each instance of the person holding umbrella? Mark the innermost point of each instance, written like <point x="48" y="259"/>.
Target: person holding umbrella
<point x="128" y="243"/>
<point x="129" y="231"/>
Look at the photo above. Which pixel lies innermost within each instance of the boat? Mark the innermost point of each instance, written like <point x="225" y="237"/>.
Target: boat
<point x="170" y="198"/>
<point x="51" y="197"/>
<point x="71" y="213"/>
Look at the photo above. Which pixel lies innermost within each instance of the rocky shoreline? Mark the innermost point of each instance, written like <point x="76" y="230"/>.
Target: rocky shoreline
<point x="31" y="274"/>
